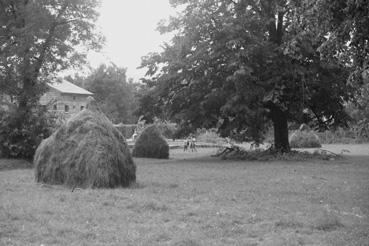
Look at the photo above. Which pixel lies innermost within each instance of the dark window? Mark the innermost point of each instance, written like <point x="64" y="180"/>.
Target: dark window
<point x="66" y="108"/>
<point x="74" y="98"/>
<point x="55" y="107"/>
<point x="82" y="107"/>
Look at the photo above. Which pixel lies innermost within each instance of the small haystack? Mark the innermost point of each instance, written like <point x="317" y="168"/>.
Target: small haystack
<point x="304" y="138"/>
<point x="151" y="144"/>
<point x="87" y="151"/>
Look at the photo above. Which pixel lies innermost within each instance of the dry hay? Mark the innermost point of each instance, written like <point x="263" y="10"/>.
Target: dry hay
<point x="304" y="139"/>
<point x="151" y="144"/>
<point x="86" y="151"/>
<point x="235" y="152"/>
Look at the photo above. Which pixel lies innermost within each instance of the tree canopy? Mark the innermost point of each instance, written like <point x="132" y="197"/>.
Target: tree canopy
<point x="40" y="38"/>
<point x="114" y="93"/>
<point x="240" y="65"/>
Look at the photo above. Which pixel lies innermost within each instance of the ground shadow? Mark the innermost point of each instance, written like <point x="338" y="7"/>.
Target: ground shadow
<point x="13" y="164"/>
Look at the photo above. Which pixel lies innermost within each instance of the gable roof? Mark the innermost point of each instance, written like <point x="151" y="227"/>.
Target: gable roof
<point x="65" y="86"/>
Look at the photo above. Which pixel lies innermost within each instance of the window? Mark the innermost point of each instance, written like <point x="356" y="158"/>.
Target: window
<point x="74" y="98"/>
<point x="55" y="107"/>
<point x="66" y="108"/>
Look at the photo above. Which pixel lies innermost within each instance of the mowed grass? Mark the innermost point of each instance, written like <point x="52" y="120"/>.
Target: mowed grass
<point x="194" y="199"/>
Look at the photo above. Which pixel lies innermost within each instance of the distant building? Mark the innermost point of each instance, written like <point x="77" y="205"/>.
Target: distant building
<point x="65" y="97"/>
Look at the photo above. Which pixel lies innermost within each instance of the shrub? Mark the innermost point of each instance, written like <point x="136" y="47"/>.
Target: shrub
<point x="21" y="133"/>
<point x="86" y="151"/>
<point x="304" y="139"/>
<point x="351" y="135"/>
<point x="209" y="136"/>
<point x="151" y="144"/>
<point x="168" y="130"/>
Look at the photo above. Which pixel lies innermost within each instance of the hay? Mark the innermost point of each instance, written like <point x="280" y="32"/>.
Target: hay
<point x="151" y="144"/>
<point x="87" y="151"/>
<point x="304" y="139"/>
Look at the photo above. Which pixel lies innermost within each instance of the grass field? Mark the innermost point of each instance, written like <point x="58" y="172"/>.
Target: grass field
<point x="194" y="199"/>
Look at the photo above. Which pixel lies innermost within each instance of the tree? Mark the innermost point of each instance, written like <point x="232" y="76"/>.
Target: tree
<point x="40" y="38"/>
<point x="147" y="106"/>
<point x="115" y="95"/>
<point x="239" y="64"/>
<point x="37" y="40"/>
<point x="348" y="22"/>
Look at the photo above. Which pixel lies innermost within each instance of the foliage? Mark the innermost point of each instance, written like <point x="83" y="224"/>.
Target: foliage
<point x="348" y="22"/>
<point x="239" y="65"/>
<point x="151" y="144"/>
<point x="127" y="130"/>
<point x="304" y="139"/>
<point x="114" y="94"/>
<point x="147" y="106"/>
<point x="350" y="135"/>
<point x="19" y="136"/>
<point x="37" y="40"/>
<point x="209" y="136"/>
<point x="166" y="129"/>
<point x="40" y="38"/>
<point x="87" y="151"/>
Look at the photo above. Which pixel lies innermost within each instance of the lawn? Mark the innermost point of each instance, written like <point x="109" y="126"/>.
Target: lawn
<point x="194" y="199"/>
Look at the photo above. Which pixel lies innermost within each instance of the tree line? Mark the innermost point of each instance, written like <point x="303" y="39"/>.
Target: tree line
<point x="240" y="66"/>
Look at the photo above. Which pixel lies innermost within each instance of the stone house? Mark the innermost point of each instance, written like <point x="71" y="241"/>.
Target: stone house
<point x="65" y="98"/>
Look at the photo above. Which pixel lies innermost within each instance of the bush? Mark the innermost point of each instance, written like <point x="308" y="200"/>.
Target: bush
<point x="20" y="134"/>
<point x="151" y="144"/>
<point x="209" y="136"/>
<point x="351" y="135"/>
<point x="168" y="130"/>
<point x="87" y="151"/>
<point x="304" y="139"/>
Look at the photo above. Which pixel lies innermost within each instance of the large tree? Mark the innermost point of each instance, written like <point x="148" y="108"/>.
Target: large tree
<point x="40" y="38"/>
<point x="114" y="93"/>
<point x="239" y="64"/>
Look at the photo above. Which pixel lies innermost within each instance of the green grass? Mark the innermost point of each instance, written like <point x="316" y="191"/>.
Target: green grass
<point x="194" y="199"/>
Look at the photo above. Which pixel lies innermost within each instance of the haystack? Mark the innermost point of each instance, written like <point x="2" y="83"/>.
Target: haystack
<point x="87" y="151"/>
<point x="151" y="144"/>
<point x="304" y="138"/>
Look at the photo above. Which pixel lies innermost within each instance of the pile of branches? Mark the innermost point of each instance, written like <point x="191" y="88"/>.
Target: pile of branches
<point x="235" y="152"/>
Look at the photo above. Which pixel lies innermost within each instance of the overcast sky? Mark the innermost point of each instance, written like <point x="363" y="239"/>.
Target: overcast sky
<point x="130" y="30"/>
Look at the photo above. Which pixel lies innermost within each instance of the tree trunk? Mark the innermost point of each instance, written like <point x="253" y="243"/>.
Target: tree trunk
<point x="281" y="143"/>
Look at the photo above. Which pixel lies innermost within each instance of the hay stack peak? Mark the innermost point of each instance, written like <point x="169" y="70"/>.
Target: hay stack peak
<point x="87" y="151"/>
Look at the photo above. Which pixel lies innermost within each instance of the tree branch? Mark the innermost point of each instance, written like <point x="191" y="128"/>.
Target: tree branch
<point x="46" y="44"/>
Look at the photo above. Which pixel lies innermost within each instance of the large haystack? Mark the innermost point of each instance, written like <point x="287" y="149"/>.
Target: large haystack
<point x="151" y="144"/>
<point x="87" y="151"/>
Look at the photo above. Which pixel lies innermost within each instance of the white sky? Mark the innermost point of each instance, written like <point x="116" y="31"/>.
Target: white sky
<point x="129" y="27"/>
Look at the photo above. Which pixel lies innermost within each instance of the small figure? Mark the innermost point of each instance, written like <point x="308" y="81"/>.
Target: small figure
<point x="193" y="144"/>
<point x="186" y="145"/>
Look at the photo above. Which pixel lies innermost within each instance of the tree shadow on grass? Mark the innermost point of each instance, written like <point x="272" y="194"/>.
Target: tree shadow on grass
<point x="13" y="164"/>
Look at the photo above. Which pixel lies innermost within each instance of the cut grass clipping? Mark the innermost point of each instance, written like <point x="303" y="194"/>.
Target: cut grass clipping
<point x="86" y="151"/>
<point x="151" y="144"/>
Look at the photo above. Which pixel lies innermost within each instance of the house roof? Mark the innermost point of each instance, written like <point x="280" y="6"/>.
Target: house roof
<point x="64" y="86"/>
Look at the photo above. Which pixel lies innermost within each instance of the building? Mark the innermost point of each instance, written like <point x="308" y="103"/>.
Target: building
<point x="65" y="97"/>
